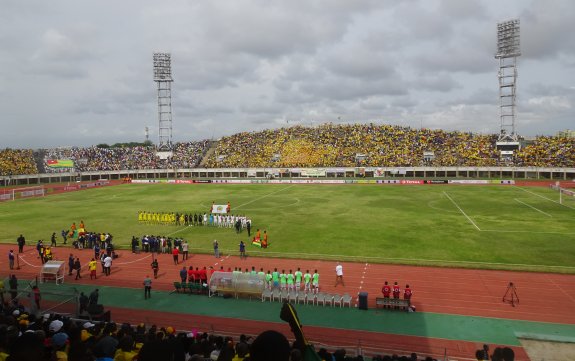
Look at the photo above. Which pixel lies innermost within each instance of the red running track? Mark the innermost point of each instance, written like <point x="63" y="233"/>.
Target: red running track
<point x="442" y="290"/>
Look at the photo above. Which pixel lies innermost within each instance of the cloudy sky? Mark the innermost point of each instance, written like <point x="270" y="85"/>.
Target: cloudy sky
<point x="80" y="72"/>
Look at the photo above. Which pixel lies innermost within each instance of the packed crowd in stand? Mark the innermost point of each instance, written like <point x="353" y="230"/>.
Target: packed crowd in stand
<point x="184" y="155"/>
<point x="326" y="145"/>
<point x="28" y="335"/>
<point x="379" y="145"/>
<point x="25" y="336"/>
<point x="17" y="161"/>
<point x="548" y="151"/>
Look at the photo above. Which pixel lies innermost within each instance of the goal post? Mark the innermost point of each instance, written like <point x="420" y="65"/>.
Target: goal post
<point x="566" y="195"/>
<point x="11" y="194"/>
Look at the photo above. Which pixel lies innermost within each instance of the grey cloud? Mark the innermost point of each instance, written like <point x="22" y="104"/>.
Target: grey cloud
<point x="546" y="29"/>
<point x="81" y="72"/>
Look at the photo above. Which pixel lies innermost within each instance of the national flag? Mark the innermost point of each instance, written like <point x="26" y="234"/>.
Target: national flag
<point x="60" y="163"/>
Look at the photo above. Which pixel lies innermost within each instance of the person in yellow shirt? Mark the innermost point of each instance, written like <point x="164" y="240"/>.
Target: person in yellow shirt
<point x="92" y="266"/>
<point x="125" y="350"/>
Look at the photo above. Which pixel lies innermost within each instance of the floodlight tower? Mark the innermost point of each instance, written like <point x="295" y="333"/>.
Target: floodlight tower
<point x="163" y="76"/>
<point x="507" y="52"/>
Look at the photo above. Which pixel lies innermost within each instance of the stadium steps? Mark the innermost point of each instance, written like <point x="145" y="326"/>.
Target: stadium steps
<point x="208" y="153"/>
<point x="39" y="160"/>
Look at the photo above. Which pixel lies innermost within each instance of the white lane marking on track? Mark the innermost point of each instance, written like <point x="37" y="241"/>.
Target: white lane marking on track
<point x="28" y="263"/>
<point x="138" y="260"/>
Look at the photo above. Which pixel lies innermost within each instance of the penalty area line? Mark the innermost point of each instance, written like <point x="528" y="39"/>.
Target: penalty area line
<point x="461" y="210"/>
<point x="540" y="196"/>
<point x="530" y="206"/>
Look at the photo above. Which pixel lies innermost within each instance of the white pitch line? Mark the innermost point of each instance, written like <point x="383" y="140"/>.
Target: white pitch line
<point x="539" y="195"/>
<point x="264" y="196"/>
<point x="28" y="263"/>
<point x="523" y="231"/>
<point x="130" y="262"/>
<point x="174" y="232"/>
<point x="461" y="210"/>
<point x="530" y="206"/>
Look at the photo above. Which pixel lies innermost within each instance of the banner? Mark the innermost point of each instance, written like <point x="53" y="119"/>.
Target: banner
<point x="411" y="181"/>
<point x="313" y="172"/>
<point x="219" y="208"/>
<point x="60" y="163"/>
<point x="436" y="181"/>
<point x="379" y="172"/>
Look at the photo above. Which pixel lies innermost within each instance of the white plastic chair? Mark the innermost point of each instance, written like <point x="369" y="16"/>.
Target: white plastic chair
<point x="276" y="294"/>
<point x="266" y="294"/>
<point x="337" y="300"/>
<point x="310" y="297"/>
<point x="346" y="299"/>
<point x="320" y="297"/>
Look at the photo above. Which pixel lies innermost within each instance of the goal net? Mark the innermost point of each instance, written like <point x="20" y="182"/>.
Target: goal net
<point x="567" y="197"/>
<point x="11" y="194"/>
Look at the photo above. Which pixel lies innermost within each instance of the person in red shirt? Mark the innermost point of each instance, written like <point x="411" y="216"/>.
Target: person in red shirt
<point x="396" y="291"/>
<point x="407" y="294"/>
<point x="191" y="275"/>
<point x="176" y="253"/>
<point x="386" y="290"/>
<point x="203" y="273"/>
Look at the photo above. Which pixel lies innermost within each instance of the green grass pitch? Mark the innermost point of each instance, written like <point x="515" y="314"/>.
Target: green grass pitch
<point x="472" y="226"/>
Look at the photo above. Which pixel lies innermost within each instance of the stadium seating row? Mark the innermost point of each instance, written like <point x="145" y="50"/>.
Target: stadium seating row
<point x="327" y="145"/>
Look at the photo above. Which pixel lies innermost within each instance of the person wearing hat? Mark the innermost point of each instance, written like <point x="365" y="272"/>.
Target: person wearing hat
<point x="59" y="346"/>
<point x="87" y="331"/>
<point x="105" y="348"/>
<point x="55" y="326"/>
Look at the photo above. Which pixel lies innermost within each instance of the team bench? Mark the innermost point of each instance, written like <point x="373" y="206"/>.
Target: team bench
<point x="381" y="302"/>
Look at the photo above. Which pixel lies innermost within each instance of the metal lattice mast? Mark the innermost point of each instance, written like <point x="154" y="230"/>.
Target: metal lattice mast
<point x="163" y="76"/>
<point x="507" y="52"/>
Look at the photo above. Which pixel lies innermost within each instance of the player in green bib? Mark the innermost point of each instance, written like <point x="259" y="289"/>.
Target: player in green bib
<point x="269" y="280"/>
<point x="276" y="278"/>
<point x="298" y="276"/>
<point x="290" y="278"/>
<point x="307" y="281"/>
<point x="283" y="280"/>
<point x="315" y="282"/>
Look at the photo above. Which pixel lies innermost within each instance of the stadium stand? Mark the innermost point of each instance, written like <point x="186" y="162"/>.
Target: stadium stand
<point x="331" y="145"/>
<point x="25" y="336"/>
<point x="185" y="155"/>
<point x="17" y="161"/>
<point x="327" y="145"/>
